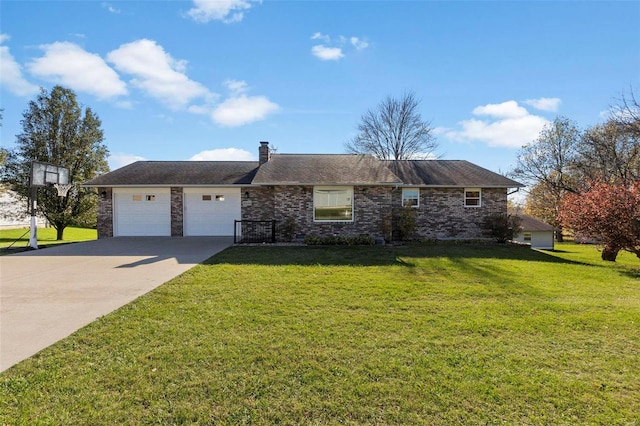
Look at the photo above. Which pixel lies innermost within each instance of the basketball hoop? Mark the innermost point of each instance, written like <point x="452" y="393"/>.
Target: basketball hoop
<point x="62" y="189"/>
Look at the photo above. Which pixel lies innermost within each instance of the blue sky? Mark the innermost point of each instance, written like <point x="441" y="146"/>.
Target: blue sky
<point x="180" y="80"/>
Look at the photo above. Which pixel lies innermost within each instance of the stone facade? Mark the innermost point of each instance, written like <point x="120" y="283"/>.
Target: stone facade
<point x="177" y="212"/>
<point x="294" y="204"/>
<point x="105" y="213"/>
<point x="440" y="215"/>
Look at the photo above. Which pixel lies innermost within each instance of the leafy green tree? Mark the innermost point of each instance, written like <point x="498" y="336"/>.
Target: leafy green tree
<point x="56" y="130"/>
<point x="4" y="154"/>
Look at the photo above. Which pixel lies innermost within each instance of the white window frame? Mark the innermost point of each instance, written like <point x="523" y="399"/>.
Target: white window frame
<point x="321" y="191"/>
<point x="406" y="198"/>
<point x="467" y="198"/>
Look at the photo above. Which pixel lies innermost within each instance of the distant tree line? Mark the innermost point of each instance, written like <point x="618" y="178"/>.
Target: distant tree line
<point x="588" y="180"/>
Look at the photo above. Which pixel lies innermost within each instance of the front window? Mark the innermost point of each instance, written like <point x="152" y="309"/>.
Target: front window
<point x="410" y="197"/>
<point x="472" y="197"/>
<point x="333" y="204"/>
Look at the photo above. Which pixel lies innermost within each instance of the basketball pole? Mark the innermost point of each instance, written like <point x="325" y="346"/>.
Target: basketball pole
<point x="33" y="237"/>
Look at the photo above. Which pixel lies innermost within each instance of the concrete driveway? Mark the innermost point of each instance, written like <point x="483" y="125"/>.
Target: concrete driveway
<point x="48" y="294"/>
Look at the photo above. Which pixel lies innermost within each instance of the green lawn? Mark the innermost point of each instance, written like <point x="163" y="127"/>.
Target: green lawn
<point x="441" y="334"/>
<point x="46" y="236"/>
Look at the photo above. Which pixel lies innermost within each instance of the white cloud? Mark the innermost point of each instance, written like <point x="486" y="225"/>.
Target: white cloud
<point x="227" y="11"/>
<point x="545" y="104"/>
<point x="320" y="36"/>
<point x="333" y="48"/>
<point x="327" y="53"/>
<point x="120" y="160"/>
<point x="359" y="43"/>
<point x="110" y="8"/>
<point x="440" y="130"/>
<point x="68" y="64"/>
<point x="11" y="73"/>
<point x="236" y="86"/>
<point x="224" y="154"/>
<point x="242" y="109"/>
<point x="158" y="74"/>
<point x="509" y="125"/>
<point x="509" y="109"/>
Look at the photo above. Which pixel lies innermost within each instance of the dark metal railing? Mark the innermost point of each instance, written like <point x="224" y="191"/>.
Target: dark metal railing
<point x="254" y="231"/>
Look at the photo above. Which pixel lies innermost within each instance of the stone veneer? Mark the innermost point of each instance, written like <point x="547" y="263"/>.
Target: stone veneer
<point x="441" y="214"/>
<point x="177" y="212"/>
<point x="105" y="213"/>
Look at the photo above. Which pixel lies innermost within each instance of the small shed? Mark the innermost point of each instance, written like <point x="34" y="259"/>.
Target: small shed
<point x="535" y="232"/>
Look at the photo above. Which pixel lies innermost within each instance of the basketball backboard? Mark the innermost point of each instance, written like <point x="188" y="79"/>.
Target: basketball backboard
<point x="45" y="174"/>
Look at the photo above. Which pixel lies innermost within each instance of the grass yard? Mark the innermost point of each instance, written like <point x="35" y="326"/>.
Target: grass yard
<point x="441" y="334"/>
<point x="46" y="236"/>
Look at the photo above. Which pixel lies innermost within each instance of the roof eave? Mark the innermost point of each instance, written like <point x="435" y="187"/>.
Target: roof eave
<point x="164" y="185"/>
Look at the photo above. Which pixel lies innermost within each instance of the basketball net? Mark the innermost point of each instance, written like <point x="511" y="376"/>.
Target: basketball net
<point x="62" y="188"/>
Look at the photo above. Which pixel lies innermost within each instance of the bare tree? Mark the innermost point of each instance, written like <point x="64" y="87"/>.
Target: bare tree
<point x="627" y="114"/>
<point x="550" y="158"/>
<point x="394" y="130"/>
<point x="548" y="163"/>
<point x="610" y="152"/>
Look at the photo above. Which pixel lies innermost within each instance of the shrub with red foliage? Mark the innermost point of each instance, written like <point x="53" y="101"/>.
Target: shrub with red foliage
<point x="609" y="213"/>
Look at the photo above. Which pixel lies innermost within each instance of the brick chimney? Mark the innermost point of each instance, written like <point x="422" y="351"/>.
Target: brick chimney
<point x="264" y="154"/>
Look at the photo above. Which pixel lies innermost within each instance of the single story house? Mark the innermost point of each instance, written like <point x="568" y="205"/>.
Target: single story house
<point x="535" y="232"/>
<point x="315" y="194"/>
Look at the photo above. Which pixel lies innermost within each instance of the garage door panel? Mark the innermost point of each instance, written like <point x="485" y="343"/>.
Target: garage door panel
<point x="142" y="212"/>
<point x="211" y="211"/>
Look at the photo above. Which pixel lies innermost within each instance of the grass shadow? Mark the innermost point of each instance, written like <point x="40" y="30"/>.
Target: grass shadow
<point x="376" y="255"/>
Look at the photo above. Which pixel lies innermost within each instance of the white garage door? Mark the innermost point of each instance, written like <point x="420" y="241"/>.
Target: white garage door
<point x="210" y="211"/>
<point x="142" y="212"/>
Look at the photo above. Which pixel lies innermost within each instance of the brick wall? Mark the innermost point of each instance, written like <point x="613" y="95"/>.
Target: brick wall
<point x="442" y="214"/>
<point x="177" y="211"/>
<point x="105" y="213"/>
<point x="283" y="203"/>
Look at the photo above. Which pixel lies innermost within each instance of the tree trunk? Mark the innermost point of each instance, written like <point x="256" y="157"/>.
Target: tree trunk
<point x="559" y="236"/>
<point x="59" y="232"/>
<point x="609" y="253"/>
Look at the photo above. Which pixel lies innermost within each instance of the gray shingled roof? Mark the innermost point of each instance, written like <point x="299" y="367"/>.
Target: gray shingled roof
<point x="457" y="173"/>
<point x="530" y="223"/>
<point x="324" y="169"/>
<point x="179" y="173"/>
<point x="305" y="169"/>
